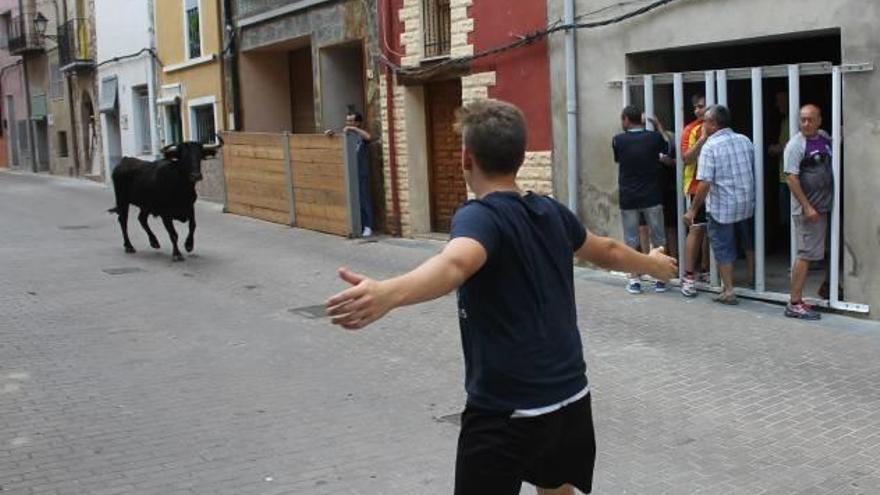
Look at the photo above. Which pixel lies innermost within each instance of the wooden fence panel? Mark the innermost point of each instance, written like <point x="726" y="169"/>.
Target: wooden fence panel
<point x="255" y="173"/>
<point x="319" y="188"/>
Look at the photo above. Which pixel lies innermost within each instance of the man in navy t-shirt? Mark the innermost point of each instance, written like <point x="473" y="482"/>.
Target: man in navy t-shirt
<point x="638" y="152"/>
<point x="510" y="256"/>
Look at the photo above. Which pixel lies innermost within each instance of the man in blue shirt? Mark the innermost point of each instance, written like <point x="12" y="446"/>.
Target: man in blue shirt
<point x="510" y="256"/>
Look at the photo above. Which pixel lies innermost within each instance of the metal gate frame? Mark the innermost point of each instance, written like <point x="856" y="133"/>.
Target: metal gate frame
<point x="716" y="93"/>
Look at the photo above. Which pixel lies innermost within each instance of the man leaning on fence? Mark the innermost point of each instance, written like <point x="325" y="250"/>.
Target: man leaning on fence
<point x="727" y="185"/>
<point x="811" y="180"/>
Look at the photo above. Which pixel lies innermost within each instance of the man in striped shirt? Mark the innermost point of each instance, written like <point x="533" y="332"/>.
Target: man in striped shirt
<point x="727" y="185"/>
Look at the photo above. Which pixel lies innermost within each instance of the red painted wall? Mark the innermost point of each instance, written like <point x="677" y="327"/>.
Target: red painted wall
<point x="390" y="28"/>
<point x="522" y="74"/>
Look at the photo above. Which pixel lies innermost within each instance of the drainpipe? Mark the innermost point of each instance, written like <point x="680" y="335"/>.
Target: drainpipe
<point x="571" y="105"/>
<point x="153" y="82"/>
<point x="392" y="140"/>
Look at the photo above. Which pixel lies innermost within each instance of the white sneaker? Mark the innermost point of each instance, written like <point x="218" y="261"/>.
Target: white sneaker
<point x="367" y="232"/>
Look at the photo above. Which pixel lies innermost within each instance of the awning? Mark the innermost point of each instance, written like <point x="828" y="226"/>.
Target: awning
<point x="169" y="94"/>
<point x="109" y="95"/>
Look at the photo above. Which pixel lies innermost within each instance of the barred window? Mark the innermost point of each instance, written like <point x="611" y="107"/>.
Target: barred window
<point x="204" y="130"/>
<point x="56" y="82"/>
<point x="437" y="22"/>
<point x="193" y="29"/>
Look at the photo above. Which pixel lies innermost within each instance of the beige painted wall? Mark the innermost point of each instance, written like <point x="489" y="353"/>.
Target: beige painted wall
<point x="197" y="80"/>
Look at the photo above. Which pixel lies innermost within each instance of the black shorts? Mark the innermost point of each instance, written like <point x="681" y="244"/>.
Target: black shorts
<point x="670" y="211"/>
<point x="496" y="453"/>
<point x="700" y="218"/>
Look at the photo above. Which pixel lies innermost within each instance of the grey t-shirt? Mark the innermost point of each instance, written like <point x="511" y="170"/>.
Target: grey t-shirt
<point x="810" y="160"/>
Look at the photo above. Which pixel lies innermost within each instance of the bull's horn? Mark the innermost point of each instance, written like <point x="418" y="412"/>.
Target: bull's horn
<point x="169" y="148"/>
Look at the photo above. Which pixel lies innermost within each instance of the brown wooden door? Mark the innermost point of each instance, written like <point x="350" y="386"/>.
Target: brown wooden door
<point x="447" y="186"/>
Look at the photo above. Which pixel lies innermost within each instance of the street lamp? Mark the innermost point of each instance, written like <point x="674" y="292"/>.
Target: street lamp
<point x="40" y="24"/>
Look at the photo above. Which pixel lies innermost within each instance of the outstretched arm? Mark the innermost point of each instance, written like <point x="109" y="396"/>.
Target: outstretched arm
<point x="612" y="254"/>
<point x="368" y="299"/>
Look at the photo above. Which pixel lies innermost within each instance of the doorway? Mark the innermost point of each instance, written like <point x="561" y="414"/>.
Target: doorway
<point x="89" y="135"/>
<point x="12" y="132"/>
<point x="41" y="129"/>
<point x="447" y="187"/>
<point x="342" y="83"/>
<point x="765" y="83"/>
<point x="302" y="91"/>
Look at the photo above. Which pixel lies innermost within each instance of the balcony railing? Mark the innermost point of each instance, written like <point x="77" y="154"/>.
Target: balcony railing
<point x="23" y="37"/>
<point x="437" y="27"/>
<point x="75" y="50"/>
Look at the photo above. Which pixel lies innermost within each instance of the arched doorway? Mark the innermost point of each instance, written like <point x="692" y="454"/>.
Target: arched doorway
<point x="89" y="136"/>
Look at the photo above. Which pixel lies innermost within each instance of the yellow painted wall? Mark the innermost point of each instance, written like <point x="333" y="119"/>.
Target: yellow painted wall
<point x="200" y="80"/>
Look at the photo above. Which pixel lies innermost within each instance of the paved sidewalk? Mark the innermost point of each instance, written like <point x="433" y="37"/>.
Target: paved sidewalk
<point x="130" y="374"/>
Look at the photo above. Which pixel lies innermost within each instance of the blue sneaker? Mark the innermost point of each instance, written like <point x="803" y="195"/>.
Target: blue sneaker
<point x="634" y="286"/>
<point x="660" y="287"/>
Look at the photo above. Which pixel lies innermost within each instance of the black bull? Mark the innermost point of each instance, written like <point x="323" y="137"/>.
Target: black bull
<point x="165" y="188"/>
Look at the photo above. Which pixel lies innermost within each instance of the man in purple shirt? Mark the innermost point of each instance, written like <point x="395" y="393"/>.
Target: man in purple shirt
<point x="811" y="180"/>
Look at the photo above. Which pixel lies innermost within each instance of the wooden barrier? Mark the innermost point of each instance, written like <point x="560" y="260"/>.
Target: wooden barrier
<point x="298" y="180"/>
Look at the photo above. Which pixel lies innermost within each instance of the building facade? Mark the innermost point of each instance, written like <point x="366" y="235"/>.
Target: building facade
<point x="301" y="66"/>
<point x="127" y="80"/>
<point x="790" y="51"/>
<point x="14" y="134"/>
<point x="33" y="35"/>
<point x="190" y="99"/>
<point x="77" y="50"/>
<point x="427" y="40"/>
<point x="188" y="42"/>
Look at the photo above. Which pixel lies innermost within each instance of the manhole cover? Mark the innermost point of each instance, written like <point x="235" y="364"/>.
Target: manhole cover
<point x="454" y="419"/>
<point x="121" y="271"/>
<point x="311" y="312"/>
<point x="74" y="227"/>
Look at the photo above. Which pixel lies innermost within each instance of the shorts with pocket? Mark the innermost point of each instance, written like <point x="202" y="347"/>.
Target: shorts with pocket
<point x="497" y="453"/>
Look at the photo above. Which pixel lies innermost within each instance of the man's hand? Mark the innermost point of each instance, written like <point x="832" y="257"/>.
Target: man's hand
<point x="358" y="306"/>
<point x="688" y="218"/>
<point x="666" y="267"/>
<point x="811" y="214"/>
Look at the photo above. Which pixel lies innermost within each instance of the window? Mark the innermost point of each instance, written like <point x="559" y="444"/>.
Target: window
<point x="56" y="82"/>
<point x="5" y="19"/>
<point x="437" y="22"/>
<point x="173" y="124"/>
<point x="62" y="144"/>
<point x="141" y="116"/>
<point x="193" y="28"/>
<point x="202" y="123"/>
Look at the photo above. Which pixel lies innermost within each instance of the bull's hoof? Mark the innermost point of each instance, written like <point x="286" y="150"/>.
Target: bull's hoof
<point x="130" y="249"/>
<point x="189" y="246"/>
<point x="177" y="257"/>
<point x="154" y="243"/>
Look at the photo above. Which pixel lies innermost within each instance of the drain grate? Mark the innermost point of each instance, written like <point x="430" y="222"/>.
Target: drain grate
<point x="454" y="419"/>
<point x="310" y="312"/>
<point x="122" y="270"/>
<point x="74" y="227"/>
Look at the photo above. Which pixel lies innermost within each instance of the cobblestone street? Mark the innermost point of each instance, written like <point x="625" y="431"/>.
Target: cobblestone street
<point x="130" y="374"/>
